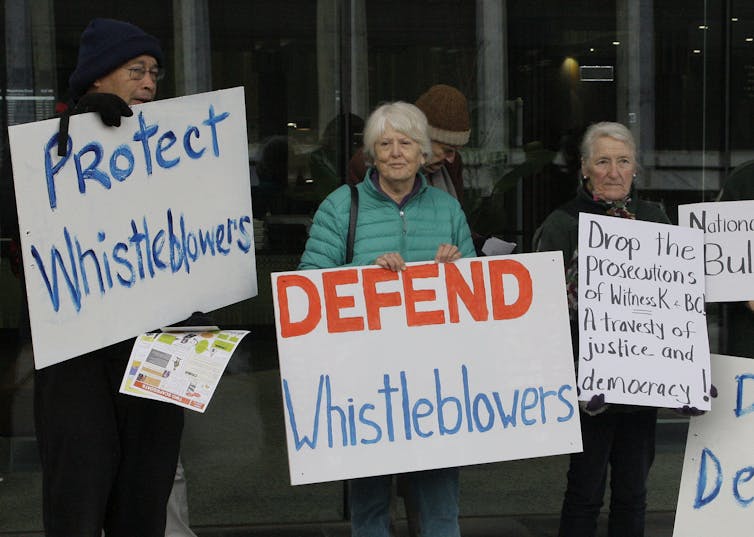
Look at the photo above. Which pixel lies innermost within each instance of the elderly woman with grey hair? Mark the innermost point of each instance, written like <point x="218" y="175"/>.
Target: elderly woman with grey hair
<point x="619" y="436"/>
<point x="400" y="219"/>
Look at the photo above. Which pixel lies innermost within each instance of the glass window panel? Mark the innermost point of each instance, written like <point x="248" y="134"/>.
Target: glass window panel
<point x="535" y="73"/>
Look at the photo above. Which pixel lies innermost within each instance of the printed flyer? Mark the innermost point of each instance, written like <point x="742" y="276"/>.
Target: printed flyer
<point x="183" y="367"/>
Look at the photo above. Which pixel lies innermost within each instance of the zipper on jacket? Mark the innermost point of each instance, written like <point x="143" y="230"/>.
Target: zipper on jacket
<point x="402" y="214"/>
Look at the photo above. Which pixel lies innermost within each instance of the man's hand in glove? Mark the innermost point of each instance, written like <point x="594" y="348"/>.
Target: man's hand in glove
<point x="692" y="411"/>
<point x="198" y="318"/>
<point x="109" y="106"/>
<point x="595" y="406"/>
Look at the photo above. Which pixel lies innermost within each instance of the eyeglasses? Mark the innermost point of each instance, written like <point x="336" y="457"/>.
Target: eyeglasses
<point x="137" y="73"/>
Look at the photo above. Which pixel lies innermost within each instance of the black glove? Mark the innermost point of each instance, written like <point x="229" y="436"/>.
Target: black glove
<point x="689" y="411"/>
<point x="198" y="318"/>
<point x="595" y="406"/>
<point x="692" y="411"/>
<point x="109" y="106"/>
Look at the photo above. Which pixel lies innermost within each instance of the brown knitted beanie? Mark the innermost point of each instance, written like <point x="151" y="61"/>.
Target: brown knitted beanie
<point x="447" y="114"/>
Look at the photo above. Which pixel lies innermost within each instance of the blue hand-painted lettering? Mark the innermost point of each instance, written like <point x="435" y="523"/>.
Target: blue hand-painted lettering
<point x="529" y="406"/>
<point x="742" y="410"/>
<point x="511" y="418"/>
<point x="51" y="282"/>
<point x="702" y="496"/>
<point x="190" y="151"/>
<point x="143" y="135"/>
<point x="245" y="242"/>
<point x="140" y="257"/>
<point x="121" y="164"/>
<point x="91" y="171"/>
<point x="566" y="403"/>
<point x="367" y="422"/>
<point x="51" y="170"/>
<point x="744" y="475"/>
<point x="338" y="412"/>
<point x="164" y="143"/>
<point x="388" y="392"/>
<point x="441" y="414"/>
<point x="121" y="152"/>
<point x="710" y="478"/>
<point x="212" y="122"/>
<point x="422" y="408"/>
<point x="481" y="399"/>
<point x="300" y="440"/>
<point x="119" y="252"/>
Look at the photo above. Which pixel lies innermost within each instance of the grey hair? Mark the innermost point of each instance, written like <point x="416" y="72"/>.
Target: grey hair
<point x="609" y="129"/>
<point x="402" y="117"/>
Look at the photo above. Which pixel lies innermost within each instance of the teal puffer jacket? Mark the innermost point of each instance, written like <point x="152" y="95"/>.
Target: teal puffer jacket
<point x="431" y="217"/>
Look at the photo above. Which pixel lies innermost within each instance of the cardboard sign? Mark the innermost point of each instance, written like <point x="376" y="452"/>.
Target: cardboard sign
<point x="728" y="228"/>
<point x="437" y="366"/>
<point x="136" y="226"/>
<point x="642" y="325"/>
<point x="717" y="484"/>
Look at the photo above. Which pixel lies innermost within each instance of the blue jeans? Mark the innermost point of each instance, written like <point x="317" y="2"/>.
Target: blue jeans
<point x="434" y="491"/>
<point x="626" y="442"/>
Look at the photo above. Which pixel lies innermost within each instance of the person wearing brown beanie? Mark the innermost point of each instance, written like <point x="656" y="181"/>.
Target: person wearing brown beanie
<point x="447" y="114"/>
<point x="108" y="459"/>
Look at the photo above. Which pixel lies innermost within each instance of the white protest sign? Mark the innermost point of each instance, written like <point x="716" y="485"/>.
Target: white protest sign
<point x="437" y="366"/>
<point x="728" y="228"/>
<point x="642" y="325"/>
<point x="137" y="226"/>
<point x="716" y="496"/>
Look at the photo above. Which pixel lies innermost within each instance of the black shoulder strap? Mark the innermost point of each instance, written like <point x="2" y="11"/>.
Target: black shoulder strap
<point x="352" y="223"/>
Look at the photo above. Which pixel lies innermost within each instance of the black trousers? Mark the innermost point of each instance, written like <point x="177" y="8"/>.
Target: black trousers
<point x="108" y="459"/>
<point x="624" y="441"/>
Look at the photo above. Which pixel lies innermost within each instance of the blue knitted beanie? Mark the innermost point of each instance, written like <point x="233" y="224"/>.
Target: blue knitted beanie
<point x="105" y="45"/>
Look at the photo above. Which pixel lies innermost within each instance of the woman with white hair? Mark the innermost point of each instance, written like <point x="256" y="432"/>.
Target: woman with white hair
<point x="400" y="219"/>
<point x="621" y="437"/>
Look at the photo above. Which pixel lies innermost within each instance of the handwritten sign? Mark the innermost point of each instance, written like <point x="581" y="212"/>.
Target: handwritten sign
<point x="440" y="365"/>
<point x="136" y="226"/>
<point x="717" y="484"/>
<point x="728" y="228"/>
<point x="643" y="332"/>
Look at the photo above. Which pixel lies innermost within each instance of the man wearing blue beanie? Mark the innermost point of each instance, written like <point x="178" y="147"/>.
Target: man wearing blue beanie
<point x="110" y="48"/>
<point x="108" y="459"/>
